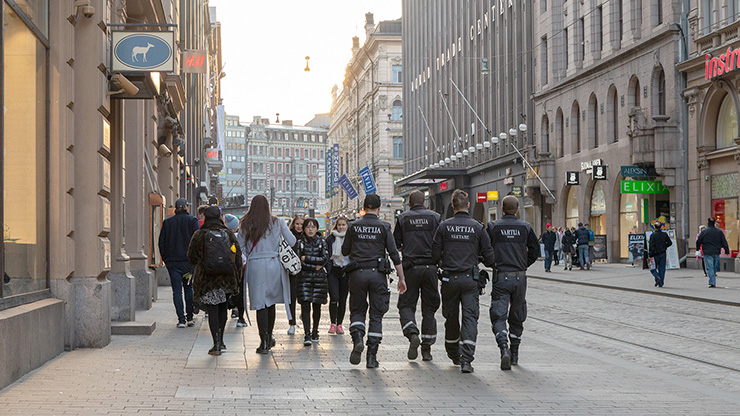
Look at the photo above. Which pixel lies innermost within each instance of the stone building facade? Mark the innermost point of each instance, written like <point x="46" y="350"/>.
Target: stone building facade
<point x="713" y="99"/>
<point x="608" y="93"/>
<point x="367" y="118"/>
<point x="89" y="171"/>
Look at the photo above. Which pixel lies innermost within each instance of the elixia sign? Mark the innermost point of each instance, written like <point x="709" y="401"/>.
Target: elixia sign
<point x="722" y="64"/>
<point x="643" y="187"/>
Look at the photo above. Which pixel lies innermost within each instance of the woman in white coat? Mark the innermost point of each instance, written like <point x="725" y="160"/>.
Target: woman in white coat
<point x="259" y="238"/>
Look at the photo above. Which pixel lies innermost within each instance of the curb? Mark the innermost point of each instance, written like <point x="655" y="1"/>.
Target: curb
<point x="649" y="292"/>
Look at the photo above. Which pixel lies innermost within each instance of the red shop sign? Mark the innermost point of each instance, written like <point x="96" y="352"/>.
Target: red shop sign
<point x="481" y="197"/>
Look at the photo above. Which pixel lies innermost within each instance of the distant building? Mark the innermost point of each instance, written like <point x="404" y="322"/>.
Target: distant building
<point x="367" y="118"/>
<point x="284" y="162"/>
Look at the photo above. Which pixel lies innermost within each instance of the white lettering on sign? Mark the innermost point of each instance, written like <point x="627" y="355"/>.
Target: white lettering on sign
<point x="591" y="164"/>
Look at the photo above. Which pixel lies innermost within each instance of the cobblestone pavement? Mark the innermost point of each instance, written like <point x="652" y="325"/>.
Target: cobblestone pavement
<point x="587" y="350"/>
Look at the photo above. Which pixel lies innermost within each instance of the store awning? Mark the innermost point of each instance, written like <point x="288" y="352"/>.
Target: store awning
<point x="429" y="177"/>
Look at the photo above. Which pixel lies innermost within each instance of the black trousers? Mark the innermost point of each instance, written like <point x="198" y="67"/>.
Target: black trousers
<point x="338" y="291"/>
<point x="460" y="292"/>
<point x="420" y="280"/>
<point x="293" y="297"/>
<point x="509" y="303"/>
<point x="368" y="288"/>
<point x="306" y="316"/>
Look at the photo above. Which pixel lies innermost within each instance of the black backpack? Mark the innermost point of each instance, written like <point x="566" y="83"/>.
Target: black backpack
<point x="217" y="255"/>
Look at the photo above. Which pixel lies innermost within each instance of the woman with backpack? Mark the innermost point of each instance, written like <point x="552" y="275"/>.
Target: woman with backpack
<point x="296" y="227"/>
<point x="338" y="280"/>
<point x="267" y="279"/>
<point x="215" y="252"/>
<point x="312" y="285"/>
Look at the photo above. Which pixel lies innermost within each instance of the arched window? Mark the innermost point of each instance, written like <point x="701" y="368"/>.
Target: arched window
<point x="727" y="123"/>
<point x="659" y="92"/>
<point x="593" y="125"/>
<point x="598" y="209"/>
<point x="397" y="111"/>
<point x="545" y="134"/>
<point x="571" y="208"/>
<point x="634" y="92"/>
<point x="612" y="115"/>
<point x="560" y="132"/>
<point x="575" y="127"/>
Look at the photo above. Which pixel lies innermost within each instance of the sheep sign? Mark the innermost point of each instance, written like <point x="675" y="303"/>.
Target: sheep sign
<point x="142" y="51"/>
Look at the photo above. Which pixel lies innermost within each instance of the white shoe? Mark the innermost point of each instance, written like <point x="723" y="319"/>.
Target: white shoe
<point x="291" y="330"/>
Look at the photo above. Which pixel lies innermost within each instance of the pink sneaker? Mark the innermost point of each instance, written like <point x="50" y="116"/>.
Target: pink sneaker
<point x="332" y="329"/>
<point x="340" y="331"/>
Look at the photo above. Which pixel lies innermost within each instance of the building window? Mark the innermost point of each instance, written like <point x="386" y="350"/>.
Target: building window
<point x="659" y="104"/>
<point x="620" y="21"/>
<point x="581" y="40"/>
<point x="545" y="135"/>
<point x="725" y="190"/>
<point x="727" y="129"/>
<point x="571" y="209"/>
<point x="575" y="127"/>
<point x="593" y="128"/>
<point x="598" y="209"/>
<point x="543" y="61"/>
<point x="398" y="147"/>
<point x="560" y="132"/>
<point x="543" y="6"/>
<point x="599" y="17"/>
<point x="397" y="73"/>
<point x="24" y="139"/>
<point x="628" y="222"/>
<point x="397" y="111"/>
<point x="659" y="10"/>
<point x="565" y="48"/>
<point x="612" y="115"/>
<point x="634" y="92"/>
<point x="707" y="15"/>
<point x="732" y="9"/>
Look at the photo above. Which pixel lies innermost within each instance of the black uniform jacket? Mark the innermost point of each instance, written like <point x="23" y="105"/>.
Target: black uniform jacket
<point x="414" y="233"/>
<point x="514" y="243"/>
<point x="458" y="243"/>
<point x="368" y="239"/>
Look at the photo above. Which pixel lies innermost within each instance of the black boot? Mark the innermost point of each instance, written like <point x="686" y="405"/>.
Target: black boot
<point x="216" y="348"/>
<point x="356" y="355"/>
<point x="414" y="342"/>
<point x="221" y="340"/>
<point x="505" y="357"/>
<point x="264" y="347"/>
<point x="372" y="351"/>
<point x="514" y="355"/>
<point x="466" y="368"/>
<point x="455" y="358"/>
<point x="426" y="353"/>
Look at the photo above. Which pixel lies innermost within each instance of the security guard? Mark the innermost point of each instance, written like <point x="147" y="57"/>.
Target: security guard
<point x="516" y="248"/>
<point x="458" y="243"/>
<point x="366" y="243"/>
<point x="414" y="233"/>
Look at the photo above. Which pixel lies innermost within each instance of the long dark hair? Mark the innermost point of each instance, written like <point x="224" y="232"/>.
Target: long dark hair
<point x="258" y="219"/>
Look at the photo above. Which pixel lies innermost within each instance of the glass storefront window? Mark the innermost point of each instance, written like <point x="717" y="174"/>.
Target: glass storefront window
<point x="628" y="221"/>
<point x="725" y="211"/>
<point x="571" y="209"/>
<point x="24" y="141"/>
<point x="597" y="222"/>
<point x="37" y="11"/>
<point x="727" y="123"/>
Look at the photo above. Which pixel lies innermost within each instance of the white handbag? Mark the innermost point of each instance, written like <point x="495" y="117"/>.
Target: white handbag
<point x="290" y="260"/>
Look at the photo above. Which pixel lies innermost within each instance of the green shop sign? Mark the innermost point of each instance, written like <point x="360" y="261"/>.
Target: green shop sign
<point x="643" y="187"/>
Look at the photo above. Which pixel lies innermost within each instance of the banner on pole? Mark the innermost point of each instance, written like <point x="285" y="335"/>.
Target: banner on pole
<point x="367" y="181"/>
<point x="346" y="184"/>
<point x="335" y="169"/>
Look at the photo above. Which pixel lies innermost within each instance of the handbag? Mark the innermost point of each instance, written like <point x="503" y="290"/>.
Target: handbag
<point x="288" y="258"/>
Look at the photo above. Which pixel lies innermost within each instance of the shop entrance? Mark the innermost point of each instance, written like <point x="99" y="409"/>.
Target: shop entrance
<point x="571" y="209"/>
<point x="597" y="220"/>
<point x="628" y="221"/>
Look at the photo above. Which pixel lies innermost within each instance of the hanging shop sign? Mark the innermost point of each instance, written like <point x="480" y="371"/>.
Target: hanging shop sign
<point x="516" y="190"/>
<point x="335" y="169"/>
<point x="573" y="178"/>
<point x="142" y="51"/>
<point x="589" y="165"/>
<point x="329" y="185"/>
<point x="493" y="195"/>
<point x="367" y="181"/>
<point x="346" y="184"/>
<point x="481" y="197"/>
<point x="599" y="173"/>
<point x="195" y="62"/>
<point x="643" y="187"/>
<point x="637" y="172"/>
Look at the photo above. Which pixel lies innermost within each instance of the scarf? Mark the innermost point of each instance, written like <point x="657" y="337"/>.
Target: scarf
<point x="336" y="251"/>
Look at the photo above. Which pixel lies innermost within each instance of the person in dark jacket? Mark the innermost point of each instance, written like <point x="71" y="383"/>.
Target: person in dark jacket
<point x="567" y="249"/>
<point x="212" y="288"/>
<point x="657" y="247"/>
<point x="711" y="241"/>
<point x="338" y="280"/>
<point x="295" y="227"/>
<point x="312" y="285"/>
<point x="582" y="239"/>
<point x="548" y="239"/>
<point x="173" y="247"/>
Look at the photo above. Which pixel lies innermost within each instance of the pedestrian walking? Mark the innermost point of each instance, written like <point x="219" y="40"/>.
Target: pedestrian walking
<point x="312" y="284"/>
<point x="338" y="280"/>
<point x="515" y="249"/>
<point x="591" y="242"/>
<point x="174" y="238"/>
<point x="414" y="233"/>
<point x="265" y="276"/>
<point x="217" y="257"/>
<point x="548" y="238"/>
<point x="567" y="249"/>
<point x="582" y="240"/>
<point x="657" y="247"/>
<point x="366" y="243"/>
<point x="457" y="245"/>
<point x="296" y="227"/>
<point x="558" y="252"/>
<point x="711" y="241"/>
<point x="699" y="254"/>
<point x="237" y="299"/>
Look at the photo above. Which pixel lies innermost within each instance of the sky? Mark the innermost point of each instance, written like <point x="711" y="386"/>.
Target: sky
<point x="265" y="43"/>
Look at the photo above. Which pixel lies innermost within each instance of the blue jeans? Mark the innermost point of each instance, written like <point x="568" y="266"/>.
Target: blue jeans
<point x="659" y="272"/>
<point x="548" y="259"/>
<point x="176" y="270"/>
<point x="711" y="264"/>
<point x="583" y="254"/>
